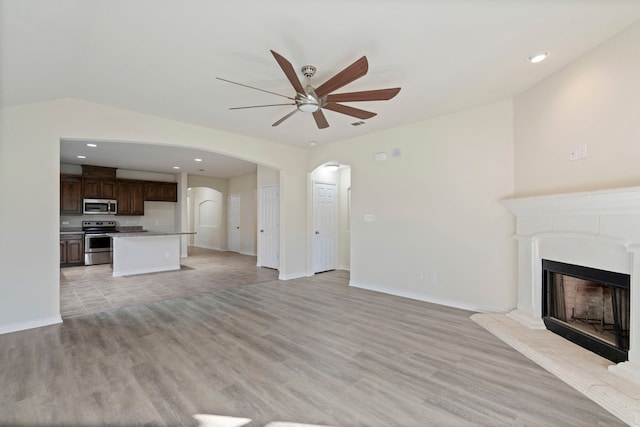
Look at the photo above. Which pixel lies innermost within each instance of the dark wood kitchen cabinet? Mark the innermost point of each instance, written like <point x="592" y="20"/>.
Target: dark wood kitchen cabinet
<point x="71" y="249"/>
<point x="131" y="197"/>
<point x="96" y="188"/>
<point x="70" y="195"/>
<point x="98" y="182"/>
<point x="161" y="192"/>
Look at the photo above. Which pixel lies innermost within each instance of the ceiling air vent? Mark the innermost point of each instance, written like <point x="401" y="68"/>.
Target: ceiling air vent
<point x="357" y="123"/>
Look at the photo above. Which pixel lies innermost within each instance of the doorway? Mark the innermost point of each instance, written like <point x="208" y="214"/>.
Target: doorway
<point x="204" y="207"/>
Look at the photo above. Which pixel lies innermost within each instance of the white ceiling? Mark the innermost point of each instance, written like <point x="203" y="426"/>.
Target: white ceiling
<point x="153" y="158"/>
<point x="162" y="57"/>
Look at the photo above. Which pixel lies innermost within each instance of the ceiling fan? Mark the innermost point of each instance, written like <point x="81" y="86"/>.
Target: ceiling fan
<point x="308" y="99"/>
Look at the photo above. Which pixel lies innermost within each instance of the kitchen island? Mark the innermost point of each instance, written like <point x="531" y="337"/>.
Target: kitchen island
<point x="145" y="252"/>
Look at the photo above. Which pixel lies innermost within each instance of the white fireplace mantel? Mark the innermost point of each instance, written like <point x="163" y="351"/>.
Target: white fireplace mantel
<point x="598" y="229"/>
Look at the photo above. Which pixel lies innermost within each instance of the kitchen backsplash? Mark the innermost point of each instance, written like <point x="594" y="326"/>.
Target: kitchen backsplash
<point x="159" y="216"/>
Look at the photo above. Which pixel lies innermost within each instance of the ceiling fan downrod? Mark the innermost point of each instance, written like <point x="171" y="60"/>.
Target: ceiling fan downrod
<point x="308" y="102"/>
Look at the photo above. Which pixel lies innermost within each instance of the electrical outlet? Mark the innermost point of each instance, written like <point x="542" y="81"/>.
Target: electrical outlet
<point x="419" y="275"/>
<point x="582" y="151"/>
<point x="434" y="277"/>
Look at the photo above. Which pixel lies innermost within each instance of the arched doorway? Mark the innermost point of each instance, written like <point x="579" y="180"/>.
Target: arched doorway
<point x="204" y="209"/>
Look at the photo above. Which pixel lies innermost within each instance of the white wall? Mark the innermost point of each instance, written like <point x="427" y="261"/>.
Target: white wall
<point x="344" y="227"/>
<point x="593" y="101"/>
<point x="436" y="208"/>
<point x="246" y="188"/>
<point x="29" y="207"/>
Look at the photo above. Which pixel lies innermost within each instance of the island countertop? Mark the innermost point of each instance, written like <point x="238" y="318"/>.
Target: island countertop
<point x="148" y="234"/>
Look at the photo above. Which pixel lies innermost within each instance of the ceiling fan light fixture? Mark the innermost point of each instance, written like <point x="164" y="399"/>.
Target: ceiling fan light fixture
<point x="308" y="107"/>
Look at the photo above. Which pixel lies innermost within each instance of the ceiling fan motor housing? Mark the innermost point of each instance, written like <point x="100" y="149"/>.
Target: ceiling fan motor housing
<point x="308" y="71"/>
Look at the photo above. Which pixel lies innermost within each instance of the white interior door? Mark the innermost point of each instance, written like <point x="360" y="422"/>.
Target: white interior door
<point x="269" y="233"/>
<point x="325" y="228"/>
<point x="233" y="221"/>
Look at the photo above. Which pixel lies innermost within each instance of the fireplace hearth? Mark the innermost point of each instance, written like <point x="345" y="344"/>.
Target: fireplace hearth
<point x="587" y="306"/>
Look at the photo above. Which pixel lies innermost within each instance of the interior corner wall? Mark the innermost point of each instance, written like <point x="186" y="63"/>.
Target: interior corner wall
<point x="428" y="224"/>
<point x="344" y="230"/>
<point x="594" y="101"/>
<point x="246" y="187"/>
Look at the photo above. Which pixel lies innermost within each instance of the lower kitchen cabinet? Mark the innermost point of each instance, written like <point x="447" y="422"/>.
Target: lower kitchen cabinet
<point x="71" y="249"/>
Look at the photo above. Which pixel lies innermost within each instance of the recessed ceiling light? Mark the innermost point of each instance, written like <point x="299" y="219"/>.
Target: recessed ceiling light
<point x="176" y="167"/>
<point x="312" y="143"/>
<point x="82" y="157"/>
<point x="198" y="160"/>
<point x="538" y="57"/>
<point x="92" y="145"/>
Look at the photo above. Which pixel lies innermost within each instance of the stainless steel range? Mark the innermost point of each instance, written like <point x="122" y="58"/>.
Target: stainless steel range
<point x="98" y="248"/>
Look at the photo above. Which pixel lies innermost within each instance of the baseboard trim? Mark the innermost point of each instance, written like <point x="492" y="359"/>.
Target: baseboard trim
<point x="426" y="298"/>
<point x="290" y="276"/>
<point x="21" y="326"/>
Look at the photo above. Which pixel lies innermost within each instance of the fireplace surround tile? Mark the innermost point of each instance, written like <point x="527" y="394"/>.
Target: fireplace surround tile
<point x="581" y="369"/>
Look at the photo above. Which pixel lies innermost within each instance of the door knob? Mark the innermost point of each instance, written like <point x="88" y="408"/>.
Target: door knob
<point x="317" y="232"/>
<point x="262" y="231"/>
<point x="238" y="228"/>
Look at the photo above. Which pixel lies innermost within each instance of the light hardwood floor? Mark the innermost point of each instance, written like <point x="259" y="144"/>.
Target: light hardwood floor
<point x="92" y="289"/>
<point x="309" y="350"/>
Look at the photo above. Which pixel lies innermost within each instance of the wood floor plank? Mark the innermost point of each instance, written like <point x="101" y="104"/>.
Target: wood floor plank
<point x="307" y="350"/>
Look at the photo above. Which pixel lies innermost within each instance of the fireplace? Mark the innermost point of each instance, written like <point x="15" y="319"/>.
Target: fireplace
<point x="587" y="306"/>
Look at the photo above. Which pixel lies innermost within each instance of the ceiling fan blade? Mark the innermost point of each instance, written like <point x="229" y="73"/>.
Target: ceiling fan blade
<point x="258" y="106"/>
<point x="256" y="88"/>
<point x="289" y="72"/>
<point x="285" y="117"/>
<point x="321" y="120"/>
<point x="344" y="77"/>
<point x="367" y="95"/>
<point x="349" y="111"/>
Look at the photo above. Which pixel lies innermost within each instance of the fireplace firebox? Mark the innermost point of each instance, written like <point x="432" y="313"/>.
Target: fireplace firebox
<point x="588" y="306"/>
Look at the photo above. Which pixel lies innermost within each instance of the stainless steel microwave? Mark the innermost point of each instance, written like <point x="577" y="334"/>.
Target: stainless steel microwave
<point x="99" y="207"/>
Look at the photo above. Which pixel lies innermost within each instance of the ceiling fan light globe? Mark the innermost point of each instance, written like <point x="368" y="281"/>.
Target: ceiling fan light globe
<point x="308" y="107"/>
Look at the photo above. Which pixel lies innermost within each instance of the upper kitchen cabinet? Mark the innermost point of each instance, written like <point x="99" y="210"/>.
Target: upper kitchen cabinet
<point x="98" y="182"/>
<point x="70" y="195"/>
<point x="161" y="192"/>
<point x="131" y="197"/>
<point x="96" y="188"/>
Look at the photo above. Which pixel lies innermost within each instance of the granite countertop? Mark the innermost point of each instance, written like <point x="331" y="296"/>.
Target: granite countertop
<point x="71" y="230"/>
<point x="147" y="234"/>
<point x="125" y="229"/>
